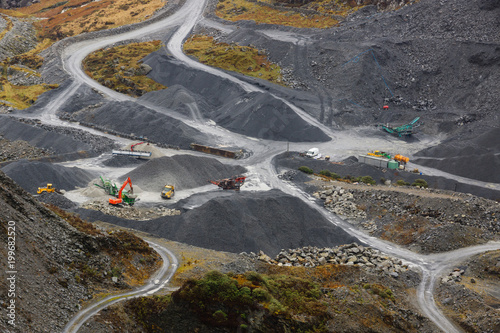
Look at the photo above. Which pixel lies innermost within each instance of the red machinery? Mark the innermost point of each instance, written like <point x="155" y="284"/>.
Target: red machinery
<point x="128" y="197"/>
<point x="136" y="144"/>
<point x="233" y="183"/>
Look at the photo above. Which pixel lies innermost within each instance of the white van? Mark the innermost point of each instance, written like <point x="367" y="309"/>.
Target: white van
<point x="312" y="152"/>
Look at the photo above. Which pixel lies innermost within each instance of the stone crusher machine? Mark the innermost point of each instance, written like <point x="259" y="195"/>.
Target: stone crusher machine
<point x="233" y="183"/>
<point x="404" y="130"/>
<point x="123" y="196"/>
<point x="111" y="189"/>
<point x="108" y="187"/>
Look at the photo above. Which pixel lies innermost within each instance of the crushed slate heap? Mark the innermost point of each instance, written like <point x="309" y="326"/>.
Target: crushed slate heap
<point x="130" y="212"/>
<point x="350" y="254"/>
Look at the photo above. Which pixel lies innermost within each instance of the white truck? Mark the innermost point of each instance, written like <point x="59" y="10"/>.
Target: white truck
<point x="312" y="152"/>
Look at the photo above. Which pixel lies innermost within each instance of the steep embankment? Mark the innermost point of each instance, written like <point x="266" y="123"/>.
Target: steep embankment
<point x="54" y="266"/>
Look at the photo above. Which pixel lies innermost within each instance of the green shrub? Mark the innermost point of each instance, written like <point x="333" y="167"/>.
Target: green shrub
<point x="420" y="182"/>
<point x="220" y="316"/>
<point x="401" y="182"/>
<point x="306" y="170"/>
<point x="261" y="295"/>
<point x="326" y="173"/>
<point x="368" y="180"/>
<point x="382" y="180"/>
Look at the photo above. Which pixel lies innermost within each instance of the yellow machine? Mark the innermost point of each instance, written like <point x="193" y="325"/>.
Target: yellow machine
<point x="168" y="192"/>
<point x="48" y="189"/>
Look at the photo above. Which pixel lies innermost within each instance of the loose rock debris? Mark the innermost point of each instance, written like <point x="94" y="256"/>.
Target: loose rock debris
<point x="130" y="212"/>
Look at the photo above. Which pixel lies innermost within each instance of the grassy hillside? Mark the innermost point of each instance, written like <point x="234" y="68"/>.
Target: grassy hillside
<point x="119" y="68"/>
<point x="236" y="10"/>
<point x="68" y="18"/>
<point x="242" y="59"/>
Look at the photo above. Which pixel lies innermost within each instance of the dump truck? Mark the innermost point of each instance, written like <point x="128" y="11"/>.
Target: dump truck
<point x="168" y="192"/>
<point x="127" y="197"/>
<point x="233" y="183"/>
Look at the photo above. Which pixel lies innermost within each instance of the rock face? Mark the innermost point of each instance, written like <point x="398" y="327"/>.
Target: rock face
<point x="350" y="254"/>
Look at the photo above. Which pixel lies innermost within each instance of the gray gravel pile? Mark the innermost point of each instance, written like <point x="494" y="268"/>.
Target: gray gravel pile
<point x="475" y="156"/>
<point x="57" y="199"/>
<point x="97" y="144"/>
<point x="19" y="149"/>
<point x="183" y="171"/>
<point x="31" y="175"/>
<point x="128" y="118"/>
<point x="246" y="222"/>
<point x="261" y="115"/>
<point x="36" y="136"/>
<point x="119" y="161"/>
<point x="254" y="114"/>
<point x="349" y="254"/>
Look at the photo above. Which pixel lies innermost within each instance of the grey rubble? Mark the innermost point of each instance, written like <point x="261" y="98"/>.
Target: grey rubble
<point x="350" y="254"/>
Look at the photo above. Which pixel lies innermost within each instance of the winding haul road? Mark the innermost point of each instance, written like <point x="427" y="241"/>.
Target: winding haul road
<point x="157" y="282"/>
<point x="185" y="19"/>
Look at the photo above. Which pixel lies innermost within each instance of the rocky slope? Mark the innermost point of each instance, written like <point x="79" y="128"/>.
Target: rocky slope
<point x="54" y="266"/>
<point x="424" y="221"/>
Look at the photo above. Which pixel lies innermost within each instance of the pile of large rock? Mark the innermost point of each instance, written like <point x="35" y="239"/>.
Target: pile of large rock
<point x="351" y="254"/>
<point x="130" y="212"/>
<point x="15" y="150"/>
<point x="341" y="202"/>
<point x="455" y="276"/>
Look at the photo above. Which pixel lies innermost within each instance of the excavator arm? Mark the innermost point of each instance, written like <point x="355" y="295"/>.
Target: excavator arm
<point x="116" y="201"/>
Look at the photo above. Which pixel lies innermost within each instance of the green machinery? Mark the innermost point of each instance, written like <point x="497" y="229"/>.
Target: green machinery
<point x="404" y="130"/>
<point x="113" y="190"/>
<point x="108" y="187"/>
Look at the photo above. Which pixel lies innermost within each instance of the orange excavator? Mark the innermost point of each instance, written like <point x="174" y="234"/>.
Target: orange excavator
<point x="123" y="196"/>
<point x="230" y="183"/>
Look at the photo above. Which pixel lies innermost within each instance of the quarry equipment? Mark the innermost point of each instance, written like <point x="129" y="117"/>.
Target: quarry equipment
<point x="217" y="151"/>
<point x="168" y="192"/>
<point x="401" y="158"/>
<point x="233" y="183"/>
<point x="379" y="153"/>
<point x="136" y="144"/>
<point x="403" y="130"/>
<point x="108" y="187"/>
<point x="48" y="189"/>
<point x="123" y="196"/>
<point x="132" y="152"/>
